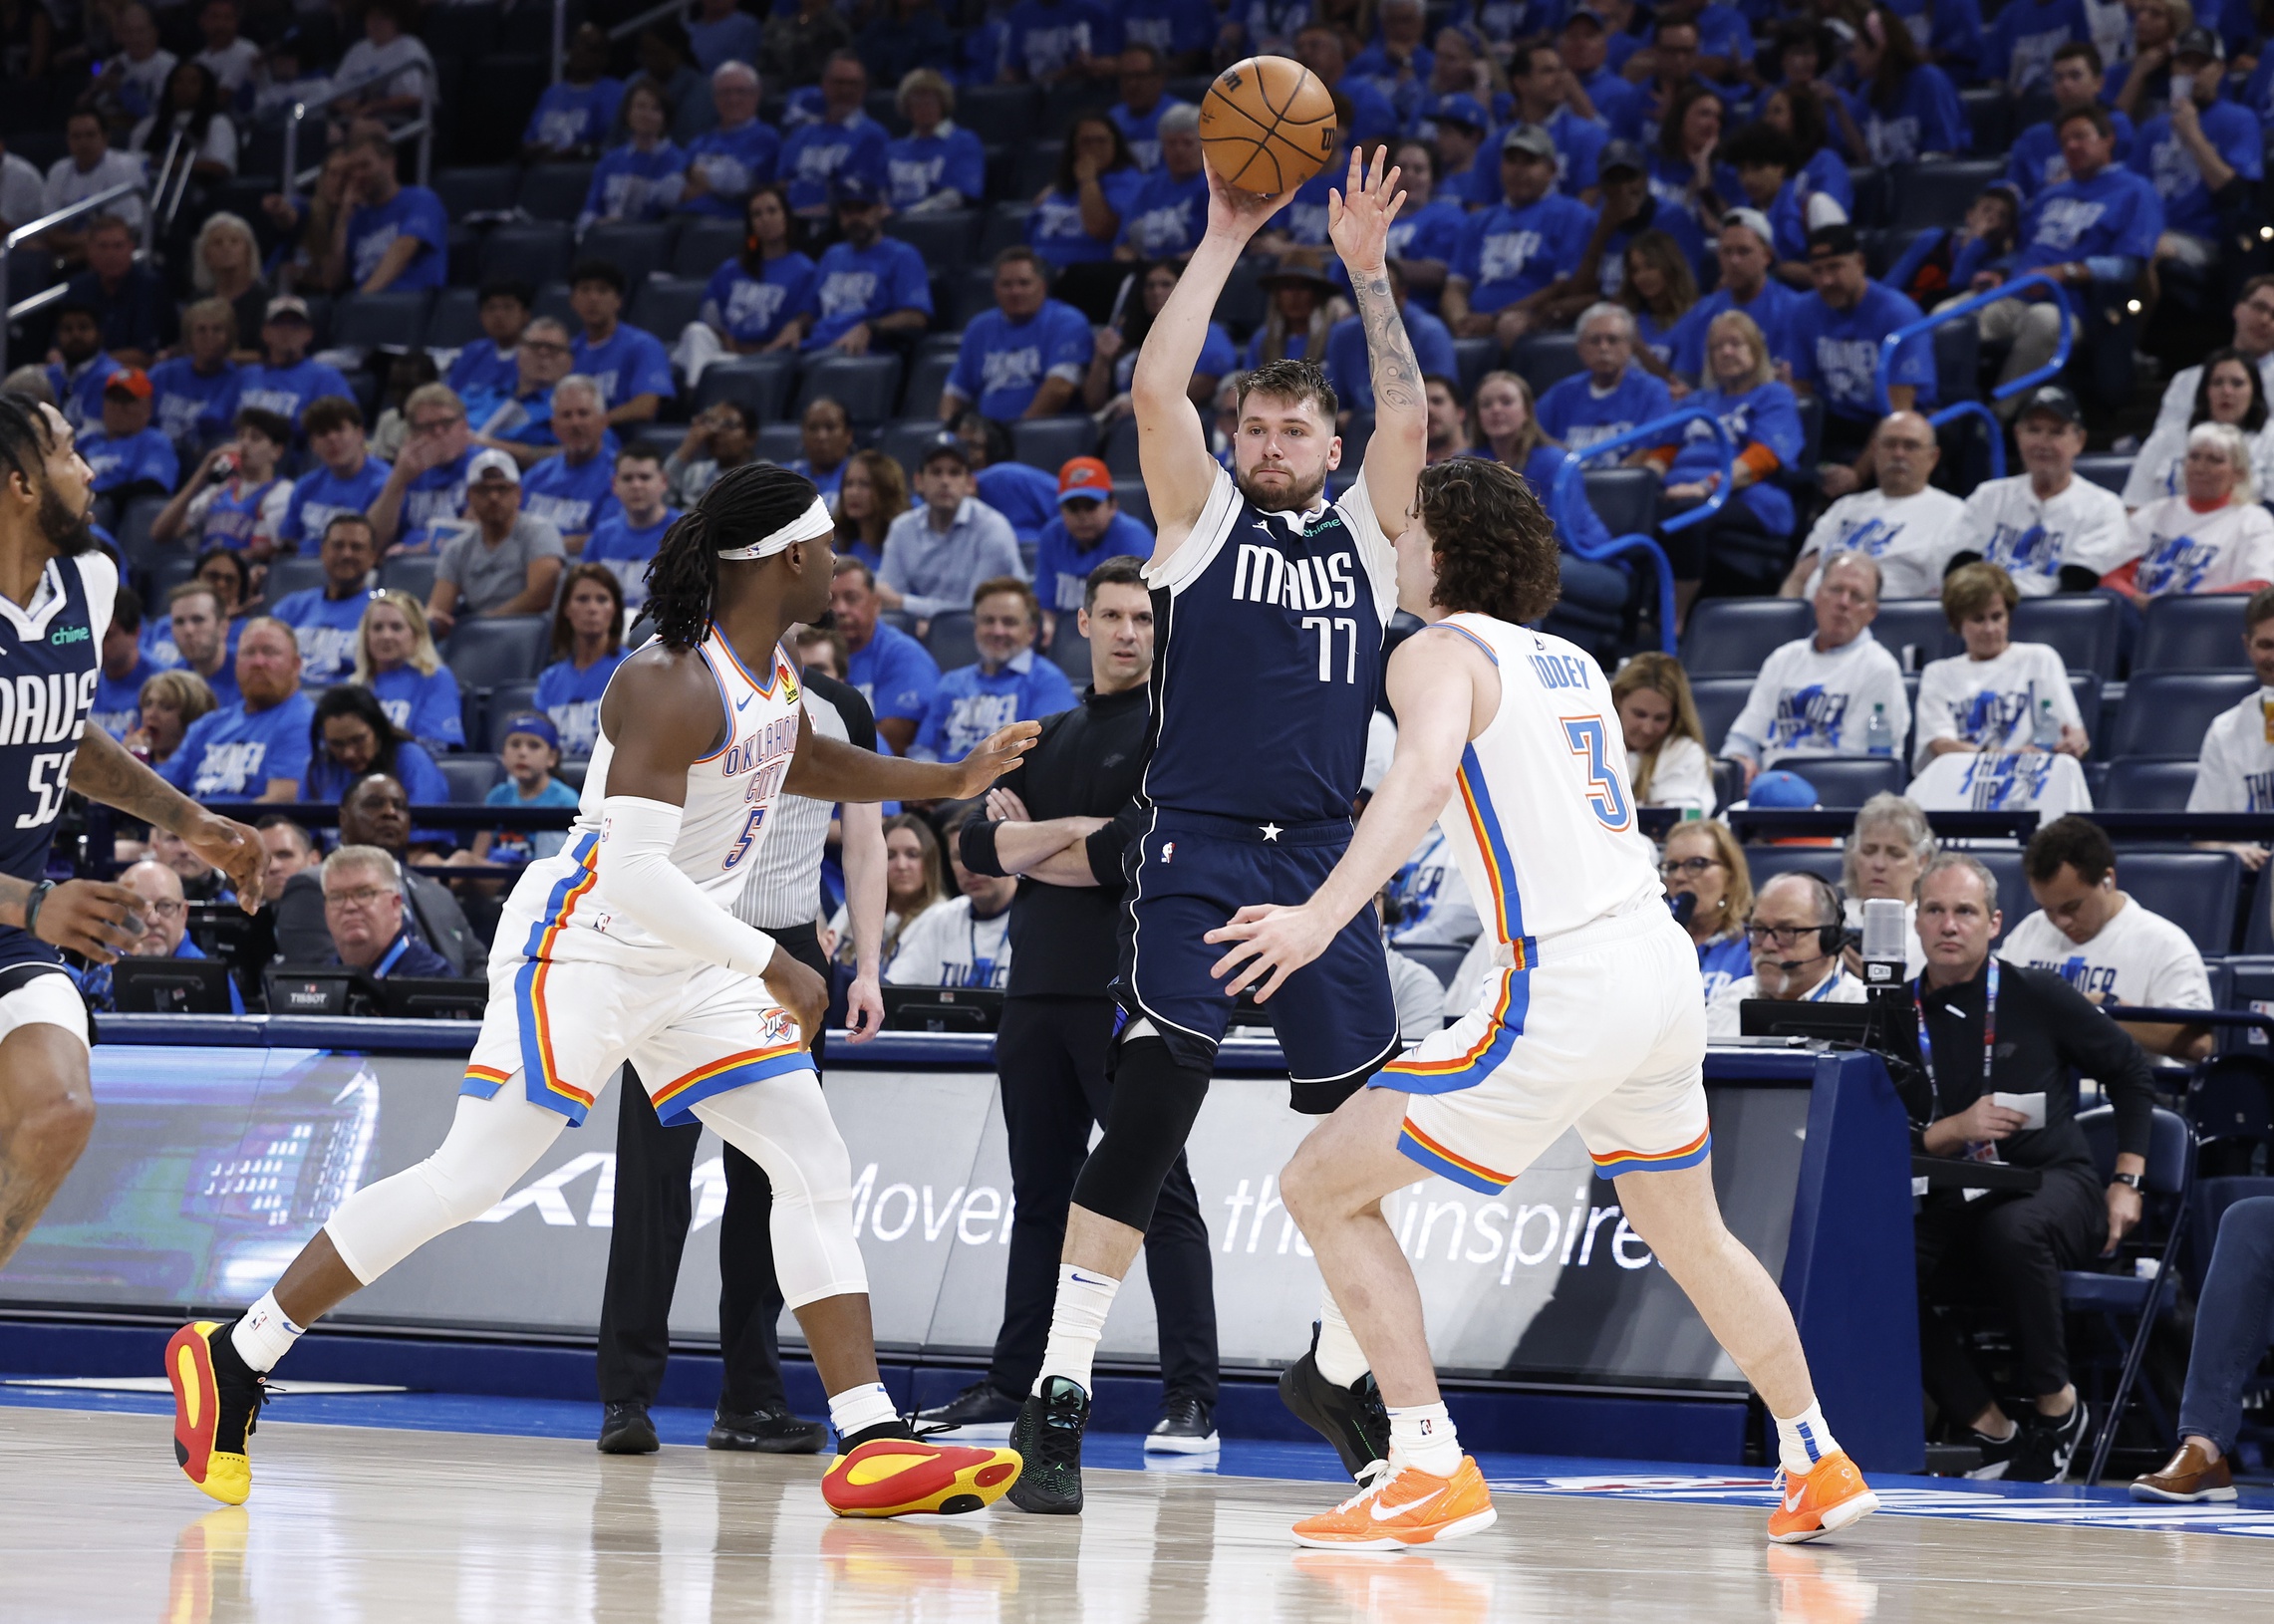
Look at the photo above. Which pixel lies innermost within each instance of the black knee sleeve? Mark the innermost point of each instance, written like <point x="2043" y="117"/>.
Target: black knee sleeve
<point x="1155" y="1101"/>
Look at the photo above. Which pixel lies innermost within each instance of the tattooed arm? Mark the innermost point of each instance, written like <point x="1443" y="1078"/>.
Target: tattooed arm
<point x="101" y="770"/>
<point x="1358" y="219"/>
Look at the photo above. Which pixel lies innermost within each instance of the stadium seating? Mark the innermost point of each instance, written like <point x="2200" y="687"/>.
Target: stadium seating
<point x="2108" y="473"/>
<point x="949" y="639"/>
<point x="704" y="244"/>
<point x="286" y="576"/>
<point x="456" y="319"/>
<point x="412" y="573"/>
<point x="472" y="776"/>
<point x="926" y="379"/>
<point x="2083" y="628"/>
<point x="761" y="382"/>
<point x="473" y="191"/>
<point x="1765" y="863"/>
<point x="1846" y="781"/>
<point x="2143" y="784"/>
<point x="368" y="321"/>
<point x="1938" y="194"/>
<point x="663" y="305"/>
<point x="1542" y="359"/>
<point x="536" y="251"/>
<point x="1048" y="442"/>
<point x="1441" y="959"/>
<point x="779" y="442"/>
<point x="505" y="702"/>
<point x="1625" y="499"/>
<point x="943" y="239"/>
<point x="503" y="648"/>
<point x="1728" y="636"/>
<point x="556" y="191"/>
<point x="2197" y="633"/>
<point x="1915" y="630"/>
<point x="638" y="249"/>
<point x="2084" y="687"/>
<point x="2196" y="890"/>
<point x="1719" y="700"/>
<point x="864" y="385"/>
<point x="1121" y="448"/>
<point x="2166" y="712"/>
<point x="1004" y="113"/>
<point x="1069" y="651"/>
<point x="1132" y="495"/>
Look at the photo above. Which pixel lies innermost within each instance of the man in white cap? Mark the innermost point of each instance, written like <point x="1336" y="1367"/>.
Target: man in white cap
<point x="501" y="561"/>
<point x="1747" y="248"/>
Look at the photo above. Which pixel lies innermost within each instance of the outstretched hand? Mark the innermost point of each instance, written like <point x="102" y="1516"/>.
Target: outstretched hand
<point x="994" y="757"/>
<point x="1237" y="213"/>
<point x="1271" y="939"/>
<point x="235" y="850"/>
<point x="1358" y="217"/>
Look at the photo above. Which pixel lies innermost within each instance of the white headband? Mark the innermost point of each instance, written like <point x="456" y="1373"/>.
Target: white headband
<point x="810" y="525"/>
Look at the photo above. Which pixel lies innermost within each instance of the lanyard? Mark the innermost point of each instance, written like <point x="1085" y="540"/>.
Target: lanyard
<point x="1989" y="1028"/>
<point x="402" y="947"/>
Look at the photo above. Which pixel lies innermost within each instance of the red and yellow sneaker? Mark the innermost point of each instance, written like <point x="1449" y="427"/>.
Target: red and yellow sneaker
<point x="216" y="1400"/>
<point x="1402" y="1506"/>
<point x="1825" y="1500"/>
<point x="893" y="1477"/>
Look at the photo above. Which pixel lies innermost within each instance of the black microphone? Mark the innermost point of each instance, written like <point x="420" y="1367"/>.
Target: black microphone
<point x="1684" y="908"/>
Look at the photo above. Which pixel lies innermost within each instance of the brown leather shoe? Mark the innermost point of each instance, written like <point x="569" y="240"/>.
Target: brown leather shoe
<point x="2187" y="1479"/>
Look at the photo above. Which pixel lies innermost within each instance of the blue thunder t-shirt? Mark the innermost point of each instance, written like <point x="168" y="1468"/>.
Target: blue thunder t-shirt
<point x="119" y="704"/>
<point x="627" y="363"/>
<point x="1771" y="310"/>
<point x="413" y="211"/>
<point x="2234" y="132"/>
<point x="320" y="496"/>
<point x="854" y="285"/>
<point x="735" y="162"/>
<point x="1166" y="215"/>
<point x="190" y="405"/>
<point x="629" y="184"/>
<point x="571" y="697"/>
<point x="1767" y="415"/>
<point x="569" y="116"/>
<point x="1054" y="225"/>
<point x="1351" y="372"/>
<point x="481" y="367"/>
<point x="895" y="674"/>
<point x="1267" y="647"/>
<point x="1923" y="117"/>
<point x="969" y="704"/>
<point x="425" y="704"/>
<point x="232" y="755"/>
<point x="1574" y="411"/>
<point x="1002" y="362"/>
<point x="751" y="309"/>
<point x="286" y="390"/>
<point x="1508" y="253"/>
<point x="815" y="153"/>
<point x="917" y="166"/>
<point x="570" y="496"/>
<point x="324" y="628"/>
<point x="2116" y="212"/>
<point x="142" y="458"/>
<point x="1836" y="352"/>
<point x="627" y="549"/>
<point x="1062" y="567"/>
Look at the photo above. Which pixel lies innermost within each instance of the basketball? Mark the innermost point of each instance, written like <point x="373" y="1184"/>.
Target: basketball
<point x="1266" y="125"/>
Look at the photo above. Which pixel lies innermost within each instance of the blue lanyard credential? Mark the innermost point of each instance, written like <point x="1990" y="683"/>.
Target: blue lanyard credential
<point x="1989" y="1028"/>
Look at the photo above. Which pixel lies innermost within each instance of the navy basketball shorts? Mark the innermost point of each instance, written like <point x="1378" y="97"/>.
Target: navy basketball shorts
<point x="1188" y="874"/>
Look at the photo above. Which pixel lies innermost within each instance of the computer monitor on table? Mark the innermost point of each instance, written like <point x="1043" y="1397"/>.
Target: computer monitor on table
<point x="941" y="1008"/>
<point x="169" y="986"/>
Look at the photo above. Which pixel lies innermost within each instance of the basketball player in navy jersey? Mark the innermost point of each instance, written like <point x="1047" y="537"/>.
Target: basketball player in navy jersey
<point x="1270" y="603"/>
<point x="56" y="588"/>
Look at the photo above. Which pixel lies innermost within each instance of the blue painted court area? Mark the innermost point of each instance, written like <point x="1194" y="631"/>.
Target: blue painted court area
<point x="2070" y="1506"/>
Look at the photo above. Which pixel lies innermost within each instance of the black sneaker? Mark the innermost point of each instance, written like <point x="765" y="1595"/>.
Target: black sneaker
<point x="981" y="1410"/>
<point x="2048" y="1446"/>
<point x="1997" y="1452"/>
<point x="625" y="1430"/>
<point x="773" y="1430"/>
<point x="897" y="1429"/>
<point x="1353" y="1419"/>
<point x="1048" y="1439"/>
<point x="1187" y="1427"/>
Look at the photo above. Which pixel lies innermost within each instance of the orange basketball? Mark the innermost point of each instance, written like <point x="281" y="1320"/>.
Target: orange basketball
<point x="1266" y="125"/>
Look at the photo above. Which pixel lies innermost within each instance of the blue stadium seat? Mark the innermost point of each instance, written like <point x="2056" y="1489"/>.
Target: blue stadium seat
<point x="949" y="639"/>
<point x="1915" y="632"/>
<point x="1476" y="357"/>
<point x="926" y="379"/>
<point x="556" y="191"/>
<point x="1846" y="781"/>
<point x="414" y="573"/>
<point x="1989" y="118"/>
<point x="637" y="248"/>
<point x="2166" y="714"/>
<point x="286" y="576"/>
<point x="943" y="239"/>
<point x="2083" y="627"/>
<point x="1035" y="166"/>
<point x="1009" y="113"/>
<point x="2196" y="890"/>
<point x="2014" y="900"/>
<point x="507" y="700"/>
<point x="1720" y="700"/>
<point x="1005" y="227"/>
<point x="472" y="776"/>
<point x="553" y="301"/>
<point x="1048" y="442"/>
<point x="1625" y="499"/>
<point x="506" y="649"/>
<point x="1121" y="448"/>
<point x="759" y="382"/>
<point x="484" y="189"/>
<point x="1765" y="863"/>
<point x="906" y="439"/>
<point x="663" y="305"/>
<point x="1931" y="194"/>
<point x="1069" y="651"/>
<point x="456" y="319"/>
<point x="1240" y="306"/>
<point x="535" y="251"/>
<point x="964" y="297"/>
<point x="704" y="244"/>
<point x="2108" y="473"/>
<point x="391" y="320"/>
<point x="1441" y="959"/>
<point x="2198" y="634"/>
<point x="2084" y="687"/>
<point x="780" y="443"/>
<point x="867" y="386"/>
<point x="1130" y="494"/>
<point x="1728" y="636"/>
<point x="1542" y="359"/>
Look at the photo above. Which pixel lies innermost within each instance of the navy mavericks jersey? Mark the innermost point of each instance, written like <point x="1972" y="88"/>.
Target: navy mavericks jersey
<point x="50" y="661"/>
<point x="1268" y="659"/>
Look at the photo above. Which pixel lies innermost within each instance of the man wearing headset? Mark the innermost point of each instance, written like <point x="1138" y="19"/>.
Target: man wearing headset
<point x="1794" y="934"/>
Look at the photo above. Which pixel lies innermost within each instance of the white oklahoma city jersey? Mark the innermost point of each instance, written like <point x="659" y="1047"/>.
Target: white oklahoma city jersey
<point x="729" y="795"/>
<point x="1542" y="819"/>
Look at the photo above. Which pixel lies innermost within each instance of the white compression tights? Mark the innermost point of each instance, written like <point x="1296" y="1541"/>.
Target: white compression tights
<point x="781" y="1122"/>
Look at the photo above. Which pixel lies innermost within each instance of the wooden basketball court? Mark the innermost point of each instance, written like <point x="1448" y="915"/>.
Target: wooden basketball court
<point x="381" y="1524"/>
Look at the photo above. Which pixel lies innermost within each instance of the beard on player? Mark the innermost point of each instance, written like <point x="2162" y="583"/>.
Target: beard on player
<point x="68" y="533"/>
<point x="1294" y="496"/>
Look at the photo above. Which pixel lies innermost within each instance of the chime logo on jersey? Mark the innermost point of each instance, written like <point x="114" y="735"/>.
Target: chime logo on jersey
<point x="1810" y="715"/>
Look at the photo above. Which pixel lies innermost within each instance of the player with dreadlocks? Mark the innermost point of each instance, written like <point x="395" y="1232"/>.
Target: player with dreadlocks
<point x="623" y="948"/>
<point x="56" y="592"/>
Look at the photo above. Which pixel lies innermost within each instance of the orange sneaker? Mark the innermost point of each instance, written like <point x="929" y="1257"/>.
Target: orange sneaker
<point x="1825" y="1500"/>
<point x="1401" y="1506"/>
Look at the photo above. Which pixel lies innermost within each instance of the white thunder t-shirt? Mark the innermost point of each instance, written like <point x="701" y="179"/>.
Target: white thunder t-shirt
<point x="2161" y="468"/>
<point x="946" y="947"/>
<point x="1808" y="702"/>
<point x="1910" y="537"/>
<point x="2235" y="770"/>
<point x="1992" y="704"/>
<point x="2184" y="551"/>
<point x="2139" y="957"/>
<point x="2031" y="537"/>
<point x="1683" y="776"/>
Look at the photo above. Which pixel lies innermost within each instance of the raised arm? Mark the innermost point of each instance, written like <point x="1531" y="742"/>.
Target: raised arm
<point x="1171" y="450"/>
<point x="1436" y="685"/>
<point x="1359" y="220"/>
<point x="827" y="771"/>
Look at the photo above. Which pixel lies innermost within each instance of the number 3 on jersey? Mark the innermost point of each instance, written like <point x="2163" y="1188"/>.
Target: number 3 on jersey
<point x="1590" y="740"/>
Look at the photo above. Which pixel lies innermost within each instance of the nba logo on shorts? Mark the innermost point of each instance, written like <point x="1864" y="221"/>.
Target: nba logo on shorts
<point x="1168" y="850"/>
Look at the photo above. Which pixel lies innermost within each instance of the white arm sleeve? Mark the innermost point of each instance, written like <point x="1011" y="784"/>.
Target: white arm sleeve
<point x="634" y="877"/>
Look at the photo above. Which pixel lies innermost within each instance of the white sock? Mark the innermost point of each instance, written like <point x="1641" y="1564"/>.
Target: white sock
<point x="1340" y="1359"/>
<point x="1077" y="1320"/>
<point x="1804" y="1441"/>
<point x="859" y="1408"/>
<point x="1422" y="1436"/>
<point x="264" y="1335"/>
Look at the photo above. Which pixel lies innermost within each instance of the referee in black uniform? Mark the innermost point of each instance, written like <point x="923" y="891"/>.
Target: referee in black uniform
<point x="1059" y="821"/>
<point x="654" y="1164"/>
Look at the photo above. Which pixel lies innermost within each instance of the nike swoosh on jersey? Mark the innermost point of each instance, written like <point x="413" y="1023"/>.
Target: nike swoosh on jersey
<point x="743" y="704"/>
<point x="1383" y="1513"/>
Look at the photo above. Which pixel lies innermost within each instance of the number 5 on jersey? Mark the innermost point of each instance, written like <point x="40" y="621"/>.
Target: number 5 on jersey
<point x="1606" y="798"/>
